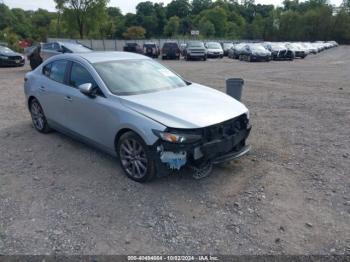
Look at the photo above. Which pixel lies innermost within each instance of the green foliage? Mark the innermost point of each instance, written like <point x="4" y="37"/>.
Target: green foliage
<point x="309" y="20"/>
<point x="216" y="16"/>
<point x="135" y="32"/>
<point x="179" y="8"/>
<point x="206" y="28"/>
<point x="200" y="5"/>
<point x="172" y="27"/>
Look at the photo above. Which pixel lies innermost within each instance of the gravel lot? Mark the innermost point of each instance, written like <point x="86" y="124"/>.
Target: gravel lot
<point x="290" y="195"/>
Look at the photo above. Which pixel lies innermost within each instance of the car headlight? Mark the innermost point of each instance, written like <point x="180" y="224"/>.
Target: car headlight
<point x="173" y="137"/>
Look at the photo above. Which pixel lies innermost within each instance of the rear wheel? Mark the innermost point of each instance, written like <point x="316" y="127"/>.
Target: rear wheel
<point x="135" y="157"/>
<point x="38" y="117"/>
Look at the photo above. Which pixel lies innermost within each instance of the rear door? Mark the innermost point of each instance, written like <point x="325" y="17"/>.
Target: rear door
<point x="52" y="92"/>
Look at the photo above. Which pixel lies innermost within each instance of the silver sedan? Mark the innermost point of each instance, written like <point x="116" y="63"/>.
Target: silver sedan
<point x="135" y="108"/>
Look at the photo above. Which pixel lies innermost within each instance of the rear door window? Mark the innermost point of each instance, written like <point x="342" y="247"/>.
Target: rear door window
<point x="47" y="69"/>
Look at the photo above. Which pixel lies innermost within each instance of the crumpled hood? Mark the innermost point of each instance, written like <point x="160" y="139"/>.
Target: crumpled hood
<point x="193" y="106"/>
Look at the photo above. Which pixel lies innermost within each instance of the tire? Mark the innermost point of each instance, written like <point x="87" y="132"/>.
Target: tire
<point x="135" y="158"/>
<point x="240" y="58"/>
<point x="187" y="58"/>
<point x="38" y="117"/>
<point x="205" y="58"/>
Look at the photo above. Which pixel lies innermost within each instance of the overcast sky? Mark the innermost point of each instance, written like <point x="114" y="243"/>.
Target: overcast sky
<point x="125" y="5"/>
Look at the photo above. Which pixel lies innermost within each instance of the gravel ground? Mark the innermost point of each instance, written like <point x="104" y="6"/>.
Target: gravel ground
<point x="290" y="195"/>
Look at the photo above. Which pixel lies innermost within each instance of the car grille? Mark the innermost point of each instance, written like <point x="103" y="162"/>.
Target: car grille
<point x="196" y="50"/>
<point x="225" y="129"/>
<point x="15" y="58"/>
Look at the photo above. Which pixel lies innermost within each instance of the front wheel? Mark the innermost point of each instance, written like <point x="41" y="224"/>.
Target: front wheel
<point x="135" y="157"/>
<point x="38" y="117"/>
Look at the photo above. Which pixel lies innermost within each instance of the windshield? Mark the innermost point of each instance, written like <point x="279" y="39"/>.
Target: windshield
<point x="195" y="44"/>
<point x="131" y="77"/>
<point x="257" y="48"/>
<point x="213" y="45"/>
<point x="228" y="45"/>
<point x="76" y="48"/>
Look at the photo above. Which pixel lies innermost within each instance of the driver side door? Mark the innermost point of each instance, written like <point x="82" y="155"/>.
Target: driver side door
<point x="89" y="116"/>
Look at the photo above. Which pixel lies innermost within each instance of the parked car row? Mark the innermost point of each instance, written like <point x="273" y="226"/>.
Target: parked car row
<point x="267" y="51"/>
<point x="247" y="51"/>
<point x="263" y="51"/>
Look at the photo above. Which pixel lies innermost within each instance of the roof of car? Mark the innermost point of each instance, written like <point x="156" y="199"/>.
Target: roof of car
<point x="105" y="56"/>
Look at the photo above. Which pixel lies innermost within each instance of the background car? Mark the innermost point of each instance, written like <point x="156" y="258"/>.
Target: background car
<point x="195" y="50"/>
<point x="279" y="51"/>
<point x="130" y="106"/>
<point x="151" y="50"/>
<point x="9" y="57"/>
<point x="236" y="50"/>
<point x="299" y="51"/>
<point x="43" y="51"/>
<point x="254" y="52"/>
<point x="171" y="50"/>
<point x="55" y="48"/>
<point x="214" y="50"/>
<point x="226" y="46"/>
<point x="133" y="48"/>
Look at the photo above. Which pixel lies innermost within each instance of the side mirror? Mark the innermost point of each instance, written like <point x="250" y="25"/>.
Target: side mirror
<point x="87" y="89"/>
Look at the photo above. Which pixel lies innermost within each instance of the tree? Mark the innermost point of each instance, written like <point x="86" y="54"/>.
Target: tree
<point x="341" y="31"/>
<point x="206" y="28"/>
<point x="135" y="32"/>
<point x="218" y="17"/>
<point x="41" y="20"/>
<point x="179" y="8"/>
<point x="6" y="17"/>
<point x="200" y="5"/>
<point x="84" y="13"/>
<point x="145" y="9"/>
<point x="60" y="9"/>
<point x="172" y="27"/>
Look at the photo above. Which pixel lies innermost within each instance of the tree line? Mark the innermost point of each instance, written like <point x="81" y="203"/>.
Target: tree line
<point x="225" y="19"/>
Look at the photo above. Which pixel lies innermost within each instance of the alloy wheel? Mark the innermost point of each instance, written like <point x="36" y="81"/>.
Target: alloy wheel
<point x="38" y="116"/>
<point x="133" y="158"/>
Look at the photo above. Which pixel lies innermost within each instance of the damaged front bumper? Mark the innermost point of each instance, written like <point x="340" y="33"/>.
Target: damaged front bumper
<point x="220" y="143"/>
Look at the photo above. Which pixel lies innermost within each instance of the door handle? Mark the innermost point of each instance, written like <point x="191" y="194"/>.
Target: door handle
<point x="68" y="98"/>
<point x="42" y="89"/>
